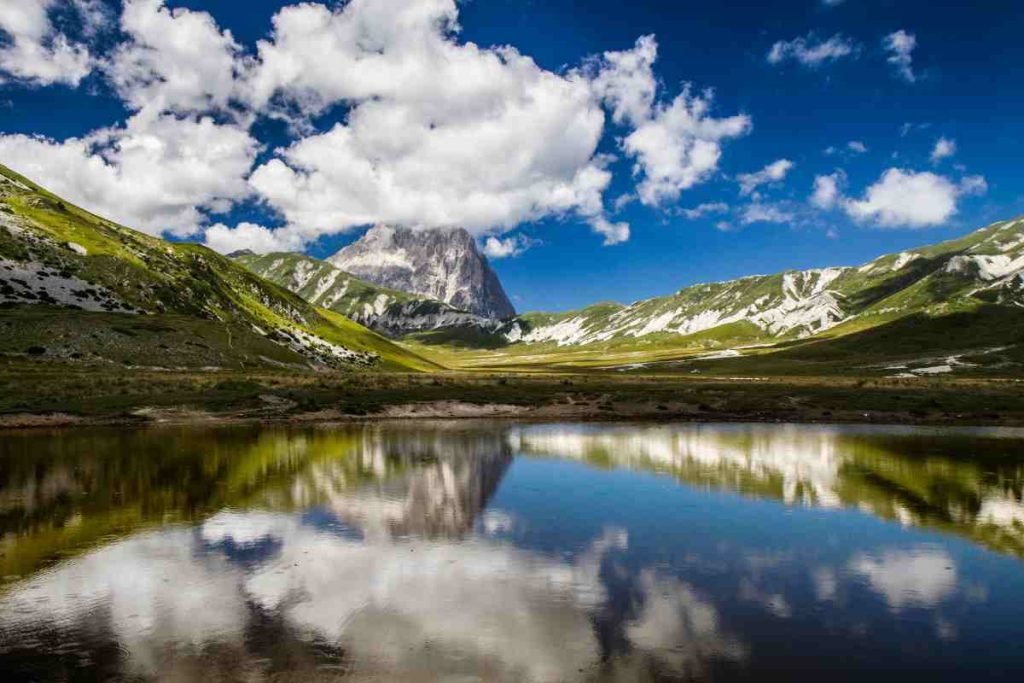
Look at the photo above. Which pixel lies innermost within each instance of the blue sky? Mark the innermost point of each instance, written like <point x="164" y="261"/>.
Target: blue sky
<point x="151" y="113"/>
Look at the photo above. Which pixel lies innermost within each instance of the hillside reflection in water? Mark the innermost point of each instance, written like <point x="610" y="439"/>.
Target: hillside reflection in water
<point x="512" y="552"/>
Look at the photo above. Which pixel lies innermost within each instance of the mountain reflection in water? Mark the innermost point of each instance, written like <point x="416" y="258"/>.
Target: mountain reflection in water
<point x="511" y="552"/>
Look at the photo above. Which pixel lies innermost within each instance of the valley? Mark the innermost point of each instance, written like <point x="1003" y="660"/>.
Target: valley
<point x="100" y="323"/>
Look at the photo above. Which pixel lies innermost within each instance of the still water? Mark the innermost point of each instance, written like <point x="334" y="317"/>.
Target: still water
<point x="469" y="551"/>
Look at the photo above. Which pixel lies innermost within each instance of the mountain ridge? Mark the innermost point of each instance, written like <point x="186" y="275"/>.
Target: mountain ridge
<point x="986" y="263"/>
<point x="387" y="311"/>
<point x="441" y="264"/>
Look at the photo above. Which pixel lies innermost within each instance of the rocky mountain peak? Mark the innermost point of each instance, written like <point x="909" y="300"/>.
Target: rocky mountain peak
<point x="442" y="264"/>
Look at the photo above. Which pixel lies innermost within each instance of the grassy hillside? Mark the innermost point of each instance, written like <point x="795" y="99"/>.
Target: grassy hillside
<point x="132" y="299"/>
<point x="897" y="314"/>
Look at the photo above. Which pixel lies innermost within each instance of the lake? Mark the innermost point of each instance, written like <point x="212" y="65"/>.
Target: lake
<point x="496" y="551"/>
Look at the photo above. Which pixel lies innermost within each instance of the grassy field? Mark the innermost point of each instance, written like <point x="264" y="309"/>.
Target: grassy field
<point x="983" y="342"/>
<point x="114" y="393"/>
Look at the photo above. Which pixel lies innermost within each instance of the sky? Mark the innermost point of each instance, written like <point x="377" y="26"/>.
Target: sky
<point x="598" y="150"/>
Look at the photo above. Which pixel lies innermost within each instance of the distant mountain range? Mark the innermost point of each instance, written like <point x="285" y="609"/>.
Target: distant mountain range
<point x="983" y="269"/>
<point x="129" y="298"/>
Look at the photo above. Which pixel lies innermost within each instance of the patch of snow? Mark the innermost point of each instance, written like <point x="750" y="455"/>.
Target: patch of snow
<point x="324" y="285"/>
<point x="378" y="259"/>
<point x="564" y="333"/>
<point x="515" y="334"/>
<point x="658" y="324"/>
<point x="380" y="303"/>
<point x="718" y="355"/>
<point x="34" y="283"/>
<point x="998" y="267"/>
<point x="903" y="259"/>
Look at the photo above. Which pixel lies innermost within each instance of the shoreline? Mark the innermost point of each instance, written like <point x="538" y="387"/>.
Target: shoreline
<point x="455" y="410"/>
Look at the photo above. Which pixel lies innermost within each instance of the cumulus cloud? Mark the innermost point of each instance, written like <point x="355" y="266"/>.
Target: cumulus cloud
<point x="174" y="60"/>
<point x="679" y="147"/>
<point x="903" y="198"/>
<point x="675" y="145"/>
<point x="255" y="238"/>
<point x="438" y="133"/>
<point x="172" y="163"/>
<point x="772" y="173"/>
<point x="900" y="46"/>
<point x="827" y="190"/>
<point x="626" y="81"/>
<point x="811" y="52"/>
<point x="857" y="147"/>
<point x="944" y="148"/>
<point x="36" y="51"/>
<point x="507" y="247"/>
<point x="154" y="174"/>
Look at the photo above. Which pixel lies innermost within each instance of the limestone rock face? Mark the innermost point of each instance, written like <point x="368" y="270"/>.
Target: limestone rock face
<point x="440" y="264"/>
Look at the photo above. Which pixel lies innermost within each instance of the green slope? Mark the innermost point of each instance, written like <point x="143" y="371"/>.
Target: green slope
<point x="964" y="296"/>
<point x="129" y="298"/>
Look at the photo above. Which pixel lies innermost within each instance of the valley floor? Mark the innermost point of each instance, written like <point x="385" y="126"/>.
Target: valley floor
<point x="40" y="394"/>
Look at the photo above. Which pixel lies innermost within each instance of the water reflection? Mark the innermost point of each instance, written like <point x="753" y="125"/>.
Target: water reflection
<point x="427" y="552"/>
<point x="966" y="481"/>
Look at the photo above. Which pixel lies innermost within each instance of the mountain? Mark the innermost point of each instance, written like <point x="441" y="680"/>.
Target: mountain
<point x="439" y="264"/>
<point x="387" y="311"/>
<point x="983" y="268"/>
<point x="127" y="298"/>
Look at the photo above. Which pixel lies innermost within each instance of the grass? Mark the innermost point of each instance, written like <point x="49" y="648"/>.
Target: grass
<point x="170" y="279"/>
<point x="41" y="387"/>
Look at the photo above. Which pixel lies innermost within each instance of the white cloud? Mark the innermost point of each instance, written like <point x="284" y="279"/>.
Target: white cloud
<point x="857" y="147"/>
<point x="900" y="46"/>
<point x="174" y="60"/>
<point x="764" y="213"/>
<point x="249" y="236"/>
<point x="439" y="133"/>
<point x="507" y="247"/>
<point x="827" y="190"/>
<point x="679" y="147"/>
<point x="811" y="52"/>
<point x="705" y="209"/>
<point x="902" y="198"/>
<point x="944" y="148"/>
<point x="151" y="174"/>
<point x="614" y="233"/>
<point x="158" y="171"/>
<point x="625" y="80"/>
<point x="35" y="51"/>
<point x="772" y="173"/>
<point x="675" y="145"/>
<point x="95" y="16"/>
